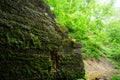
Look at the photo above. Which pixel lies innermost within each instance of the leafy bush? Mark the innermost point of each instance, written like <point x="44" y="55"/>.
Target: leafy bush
<point x="116" y="78"/>
<point x="91" y="23"/>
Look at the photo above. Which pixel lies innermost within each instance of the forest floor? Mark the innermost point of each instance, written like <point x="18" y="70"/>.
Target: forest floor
<point x="99" y="69"/>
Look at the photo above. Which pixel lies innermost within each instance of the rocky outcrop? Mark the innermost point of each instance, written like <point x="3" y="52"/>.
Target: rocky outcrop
<point x="34" y="46"/>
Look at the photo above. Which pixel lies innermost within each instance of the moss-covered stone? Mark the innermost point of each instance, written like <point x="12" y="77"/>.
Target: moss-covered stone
<point x="33" y="46"/>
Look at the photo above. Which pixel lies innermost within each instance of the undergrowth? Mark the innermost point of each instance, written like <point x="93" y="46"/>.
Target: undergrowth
<point x="91" y="23"/>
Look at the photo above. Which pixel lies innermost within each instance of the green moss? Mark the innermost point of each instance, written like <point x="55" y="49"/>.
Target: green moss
<point x="26" y="66"/>
<point x="29" y="40"/>
<point x="72" y="66"/>
<point x="25" y="43"/>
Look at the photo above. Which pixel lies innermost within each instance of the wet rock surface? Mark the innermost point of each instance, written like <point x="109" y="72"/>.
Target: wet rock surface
<point x="34" y="46"/>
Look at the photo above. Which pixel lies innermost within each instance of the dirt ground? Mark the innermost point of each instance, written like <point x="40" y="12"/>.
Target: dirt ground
<point x="98" y="69"/>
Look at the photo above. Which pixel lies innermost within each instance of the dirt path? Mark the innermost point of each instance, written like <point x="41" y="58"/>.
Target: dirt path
<point x="98" y="69"/>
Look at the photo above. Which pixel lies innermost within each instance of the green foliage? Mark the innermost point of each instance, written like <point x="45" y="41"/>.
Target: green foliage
<point x="91" y="23"/>
<point x="116" y="78"/>
<point x="114" y="31"/>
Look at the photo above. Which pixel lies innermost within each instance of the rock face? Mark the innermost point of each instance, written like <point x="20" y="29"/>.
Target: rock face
<point x="33" y="46"/>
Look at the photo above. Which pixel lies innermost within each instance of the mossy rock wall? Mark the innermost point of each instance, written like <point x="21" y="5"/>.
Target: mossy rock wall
<point x="32" y="44"/>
